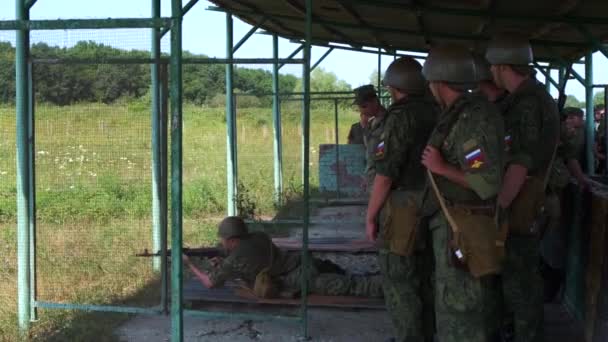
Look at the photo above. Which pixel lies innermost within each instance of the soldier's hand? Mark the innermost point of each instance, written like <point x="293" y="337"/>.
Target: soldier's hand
<point x="432" y="160"/>
<point x="371" y="231"/>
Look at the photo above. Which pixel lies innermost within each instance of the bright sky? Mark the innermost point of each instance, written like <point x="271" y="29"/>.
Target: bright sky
<point x="204" y="32"/>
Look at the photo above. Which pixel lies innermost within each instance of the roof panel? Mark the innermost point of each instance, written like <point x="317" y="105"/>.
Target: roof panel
<point x="416" y="25"/>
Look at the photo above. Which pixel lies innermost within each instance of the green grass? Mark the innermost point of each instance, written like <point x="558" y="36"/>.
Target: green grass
<point x="94" y="198"/>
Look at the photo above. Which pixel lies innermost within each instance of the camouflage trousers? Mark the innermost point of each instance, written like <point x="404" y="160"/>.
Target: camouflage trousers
<point x="553" y="245"/>
<point x="406" y="293"/>
<point x="333" y="283"/>
<point x="523" y="287"/>
<point x="461" y="309"/>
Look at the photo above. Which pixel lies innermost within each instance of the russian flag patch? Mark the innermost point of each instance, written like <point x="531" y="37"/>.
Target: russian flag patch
<point x="379" y="152"/>
<point x="475" y="159"/>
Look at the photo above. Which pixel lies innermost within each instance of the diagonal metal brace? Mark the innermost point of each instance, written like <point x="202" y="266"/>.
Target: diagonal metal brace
<point x="249" y="34"/>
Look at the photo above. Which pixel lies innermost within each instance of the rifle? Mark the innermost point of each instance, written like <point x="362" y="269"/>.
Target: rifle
<point x="203" y="252"/>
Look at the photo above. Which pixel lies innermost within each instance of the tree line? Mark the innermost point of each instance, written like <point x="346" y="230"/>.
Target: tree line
<point x="203" y="84"/>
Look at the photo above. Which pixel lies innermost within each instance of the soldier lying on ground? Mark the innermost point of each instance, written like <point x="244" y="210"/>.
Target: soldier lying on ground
<point x="254" y="259"/>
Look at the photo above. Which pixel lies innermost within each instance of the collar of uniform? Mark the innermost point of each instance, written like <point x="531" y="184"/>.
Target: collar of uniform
<point x="525" y="86"/>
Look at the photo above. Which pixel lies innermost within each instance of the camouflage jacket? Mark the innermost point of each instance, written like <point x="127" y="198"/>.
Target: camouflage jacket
<point x="407" y="126"/>
<point x="570" y="145"/>
<point x="356" y="134"/>
<point x="372" y="139"/>
<point x="531" y="127"/>
<point x="469" y="136"/>
<point x="252" y="255"/>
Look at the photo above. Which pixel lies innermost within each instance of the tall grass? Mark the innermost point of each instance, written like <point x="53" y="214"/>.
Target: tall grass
<point x="93" y="183"/>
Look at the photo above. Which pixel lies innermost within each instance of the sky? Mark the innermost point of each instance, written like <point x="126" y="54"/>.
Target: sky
<point x="204" y="33"/>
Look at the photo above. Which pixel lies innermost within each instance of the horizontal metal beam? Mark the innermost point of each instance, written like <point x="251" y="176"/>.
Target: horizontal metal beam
<point x="78" y="24"/>
<point x="240" y="316"/>
<point x="375" y="52"/>
<point x="414" y="33"/>
<point x="593" y="40"/>
<point x="165" y="60"/>
<point x="99" y="308"/>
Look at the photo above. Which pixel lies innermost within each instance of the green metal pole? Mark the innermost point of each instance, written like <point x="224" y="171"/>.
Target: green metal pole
<point x="337" y="148"/>
<point x="305" y="164"/>
<point x="177" y="323"/>
<point x="32" y="188"/>
<point x="548" y="80"/>
<point x="590" y="119"/>
<point x="276" y="122"/>
<point x="379" y="84"/>
<point x="164" y="105"/>
<point x="231" y="158"/>
<point x="23" y="191"/>
<point x="156" y="173"/>
<point x="562" y="76"/>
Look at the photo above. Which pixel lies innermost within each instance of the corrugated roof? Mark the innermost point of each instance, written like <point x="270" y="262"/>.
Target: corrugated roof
<point x="557" y="29"/>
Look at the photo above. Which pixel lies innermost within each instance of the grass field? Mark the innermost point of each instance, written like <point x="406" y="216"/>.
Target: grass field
<point x="93" y="187"/>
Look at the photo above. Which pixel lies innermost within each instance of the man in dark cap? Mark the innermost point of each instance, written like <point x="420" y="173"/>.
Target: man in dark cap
<point x="368" y="104"/>
<point x="249" y="254"/>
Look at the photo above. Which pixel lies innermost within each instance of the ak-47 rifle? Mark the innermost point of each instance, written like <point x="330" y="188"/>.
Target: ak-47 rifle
<point x="204" y="252"/>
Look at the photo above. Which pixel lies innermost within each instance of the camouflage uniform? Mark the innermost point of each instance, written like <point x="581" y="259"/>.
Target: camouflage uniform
<point x="471" y="124"/>
<point x="372" y="139"/>
<point x="553" y="244"/>
<point x="253" y="254"/>
<point x="531" y="123"/>
<point x="356" y="134"/>
<point x="396" y="155"/>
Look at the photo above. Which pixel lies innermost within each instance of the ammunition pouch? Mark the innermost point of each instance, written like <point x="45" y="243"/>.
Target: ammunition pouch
<point x="478" y="243"/>
<point x="527" y="207"/>
<point x="400" y="223"/>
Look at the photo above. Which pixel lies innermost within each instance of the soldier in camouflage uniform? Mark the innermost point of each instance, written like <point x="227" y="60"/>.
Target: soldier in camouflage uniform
<point x="465" y="156"/>
<point x="368" y="104"/>
<point x="485" y="82"/>
<point x="250" y="253"/>
<point x="532" y="132"/>
<point x="566" y="165"/>
<point x="395" y="194"/>
<point x="356" y="135"/>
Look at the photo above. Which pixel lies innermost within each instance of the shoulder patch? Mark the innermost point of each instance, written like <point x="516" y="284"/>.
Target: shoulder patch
<point x="379" y="151"/>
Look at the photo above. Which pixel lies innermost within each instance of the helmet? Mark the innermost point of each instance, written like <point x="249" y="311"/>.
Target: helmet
<point x="510" y="49"/>
<point x="452" y="64"/>
<point x="405" y="74"/>
<point x="482" y="68"/>
<point x="573" y="111"/>
<point x="232" y="226"/>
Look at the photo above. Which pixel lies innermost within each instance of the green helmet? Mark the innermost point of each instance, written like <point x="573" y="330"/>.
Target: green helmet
<point x="453" y="64"/>
<point x="482" y="69"/>
<point x="231" y="227"/>
<point x="510" y="49"/>
<point x="405" y="74"/>
<point x="573" y="111"/>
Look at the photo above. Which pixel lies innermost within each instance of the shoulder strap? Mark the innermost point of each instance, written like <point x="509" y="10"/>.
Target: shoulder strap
<point x="441" y="200"/>
<point x="550" y="166"/>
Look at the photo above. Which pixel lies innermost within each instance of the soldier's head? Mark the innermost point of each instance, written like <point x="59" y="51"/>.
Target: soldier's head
<point x="511" y="57"/>
<point x="404" y="77"/>
<point x="574" y="117"/>
<point x="598" y="112"/>
<point x="485" y="80"/>
<point x="450" y="72"/>
<point x="230" y="231"/>
<point x="367" y="101"/>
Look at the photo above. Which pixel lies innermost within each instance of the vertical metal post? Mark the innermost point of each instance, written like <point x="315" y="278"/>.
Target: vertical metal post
<point x="177" y="314"/>
<point x="547" y="80"/>
<point x="32" y="187"/>
<point x="231" y="158"/>
<point x="380" y="76"/>
<point x="590" y="119"/>
<point x="337" y="148"/>
<point x="605" y="128"/>
<point x="305" y="164"/>
<point x="276" y="123"/>
<point x="164" y="193"/>
<point x="562" y="75"/>
<point x="156" y="173"/>
<point x="23" y="191"/>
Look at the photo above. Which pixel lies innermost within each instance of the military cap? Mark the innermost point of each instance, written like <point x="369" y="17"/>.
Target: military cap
<point x="405" y="74"/>
<point x="482" y="68"/>
<point x="452" y="64"/>
<point x="364" y="94"/>
<point x="231" y="227"/>
<point x="509" y="48"/>
<point x="573" y="111"/>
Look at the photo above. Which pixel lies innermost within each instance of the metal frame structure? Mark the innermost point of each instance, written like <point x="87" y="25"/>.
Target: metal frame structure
<point x="160" y="69"/>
